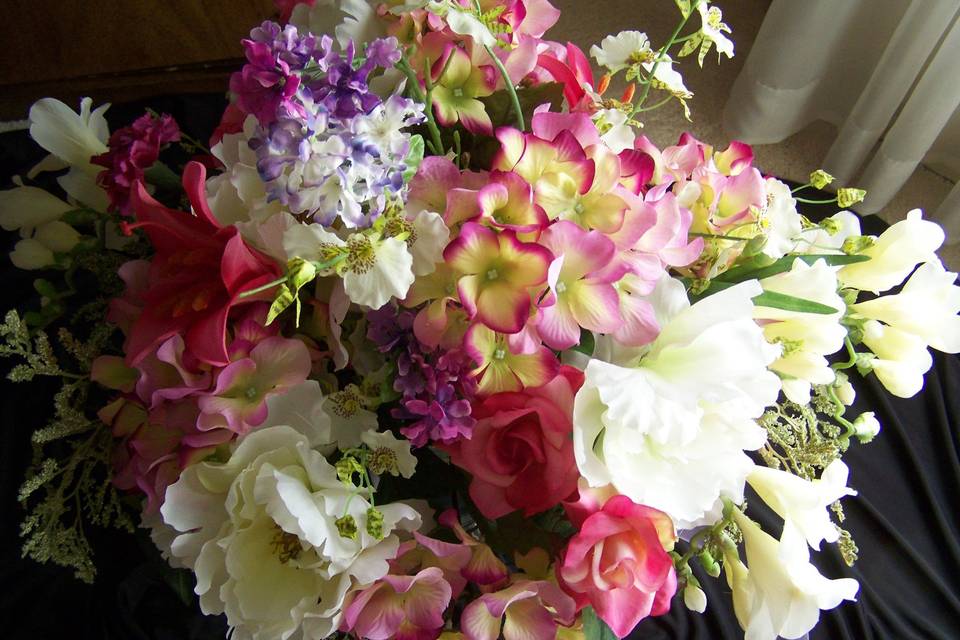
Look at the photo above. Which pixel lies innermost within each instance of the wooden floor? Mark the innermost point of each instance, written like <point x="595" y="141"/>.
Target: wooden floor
<point x="115" y="50"/>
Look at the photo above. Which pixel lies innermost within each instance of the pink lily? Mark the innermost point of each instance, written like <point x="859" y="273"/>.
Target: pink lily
<point x="581" y="285"/>
<point x="502" y="367"/>
<point x="401" y="607"/>
<point x="574" y="73"/>
<point x="525" y="609"/>
<point x="498" y="273"/>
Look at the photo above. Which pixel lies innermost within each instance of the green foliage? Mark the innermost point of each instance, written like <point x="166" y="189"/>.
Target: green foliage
<point x="499" y="106"/>
<point x="69" y="479"/>
<point x="594" y="628"/>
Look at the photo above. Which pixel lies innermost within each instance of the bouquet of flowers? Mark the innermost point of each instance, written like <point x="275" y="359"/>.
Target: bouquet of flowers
<point x="432" y="342"/>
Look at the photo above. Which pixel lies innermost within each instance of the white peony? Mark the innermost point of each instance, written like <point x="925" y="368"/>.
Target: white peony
<point x="260" y="532"/>
<point x="895" y="254"/>
<point x="804" y="503"/>
<point x="670" y="428"/>
<point x="779" y="593"/>
<point x="806" y="338"/>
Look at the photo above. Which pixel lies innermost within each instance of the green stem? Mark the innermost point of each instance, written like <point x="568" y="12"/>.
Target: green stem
<point x="262" y="288"/>
<point x="801" y="188"/>
<point x="660" y="54"/>
<point x="434" y="142"/>
<point x="193" y="141"/>
<point x="851" y="352"/>
<point x="656" y="106"/>
<point x="714" y="235"/>
<point x="514" y="99"/>
<point x="804" y="200"/>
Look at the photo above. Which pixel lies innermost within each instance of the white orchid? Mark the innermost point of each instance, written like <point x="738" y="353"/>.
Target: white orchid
<point x="779" y="593"/>
<point x="806" y="338"/>
<point x="266" y="535"/>
<point x="349" y="418"/>
<point x="781" y="222"/>
<point x="712" y="29"/>
<point x="676" y="442"/>
<point x="37" y="215"/>
<point x="72" y="139"/>
<point x="615" y="129"/>
<point x="375" y="269"/>
<point x="804" y="503"/>
<point x="895" y="254"/>
<point x="623" y="50"/>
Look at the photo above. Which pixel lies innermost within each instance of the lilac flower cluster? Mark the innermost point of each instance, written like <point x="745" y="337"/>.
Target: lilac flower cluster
<point x="328" y="148"/>
<point x="436" y="386"/>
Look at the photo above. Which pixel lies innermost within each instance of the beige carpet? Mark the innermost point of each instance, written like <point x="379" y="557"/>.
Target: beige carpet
<point x="586" y="22"/>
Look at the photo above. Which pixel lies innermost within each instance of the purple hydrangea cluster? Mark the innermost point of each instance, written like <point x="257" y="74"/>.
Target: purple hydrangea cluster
<point x="328" y="148"/>
<point x="435" y="385"/>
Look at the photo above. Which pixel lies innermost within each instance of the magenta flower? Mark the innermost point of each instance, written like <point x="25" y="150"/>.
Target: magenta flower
<point x="581" y="281"/>
<point x="401" y="607"/>
<point x="133" y="150"/>
<point x="498" y="272"/>
<point x="506" y="202"/>
<point x="457" y="85"/>
<point x="239" y="400"/>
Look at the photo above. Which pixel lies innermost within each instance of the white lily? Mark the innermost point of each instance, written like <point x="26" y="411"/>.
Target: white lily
<point x="803" y="503"/>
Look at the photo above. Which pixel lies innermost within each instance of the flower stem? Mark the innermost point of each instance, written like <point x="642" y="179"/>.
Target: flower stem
<point x="660" y="54"/>
<point x="804" y="200"/>
<point x="262" y="288"/>
<point x="514" y="99"/>
<point x="656" y="106"/>
<point x="434" y="142"/>
<point x="714" y="235"/>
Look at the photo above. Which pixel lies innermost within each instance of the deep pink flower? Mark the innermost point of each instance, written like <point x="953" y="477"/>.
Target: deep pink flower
<point x="618" y="562"/>
<point x="196" y="276"/>
<point x="521" y="452"/>
<point x="133" y="150"/>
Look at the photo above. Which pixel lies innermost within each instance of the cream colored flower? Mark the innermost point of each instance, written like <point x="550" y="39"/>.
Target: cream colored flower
<point x="779" y="593"/>
<point x="265" y="534"/>
<point x="902" y="358"/>
<point x="895" y="254"/>
<point x="238" y="194"/>
<point x="622" y="50"/>
<point x="804" y="503"/>
<point x="781" y="222"/>
<point x="805" y="338"/>
<point x="388" y="454"/>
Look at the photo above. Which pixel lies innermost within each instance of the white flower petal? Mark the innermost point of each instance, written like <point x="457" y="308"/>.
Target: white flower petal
<point x="70" y="136"/>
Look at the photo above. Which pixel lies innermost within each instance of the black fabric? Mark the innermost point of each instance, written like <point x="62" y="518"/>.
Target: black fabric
<point x="904" y="520"/>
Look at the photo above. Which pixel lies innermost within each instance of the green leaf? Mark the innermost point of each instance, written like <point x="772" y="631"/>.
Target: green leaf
<point x="587" y="343"/>
<point x="300" y="272"/>
<point x="684" y="6"/>
<point x="414" y="157"/>
<point x="594" y="628"/>
<point x="791" y="303"/>
<point x="162" y="177"/>
<point x="760" y="266"/>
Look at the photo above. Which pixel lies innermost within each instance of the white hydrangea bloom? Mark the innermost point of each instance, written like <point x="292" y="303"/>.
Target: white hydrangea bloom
<point x="260" y="533"/>
<point x="676" y="441"/>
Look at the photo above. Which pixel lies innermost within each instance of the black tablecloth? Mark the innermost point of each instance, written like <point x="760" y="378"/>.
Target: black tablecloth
<point x="904" y="520"/>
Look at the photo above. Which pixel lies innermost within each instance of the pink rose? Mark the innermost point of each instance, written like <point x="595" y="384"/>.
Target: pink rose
<point x="521" y="452"/>
<point x="618" y="562"/>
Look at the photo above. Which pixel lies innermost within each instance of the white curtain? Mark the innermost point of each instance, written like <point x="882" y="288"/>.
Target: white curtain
<point x="885" y="72"/>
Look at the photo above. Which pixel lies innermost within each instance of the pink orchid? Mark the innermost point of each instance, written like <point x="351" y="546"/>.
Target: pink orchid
<point x="502" y="367"/>
<point x="484" y="567"/>
<point x="498" y="272"/>
<point x="619" y="562"/>
<point x="507" y="203"/>
<point x="549" y="124"/>
<point x="525" y="609"/>
<point x="457" y="84"/>
<point x="242" y="388"/>
<point x="581" y="285"/>
<point x="398" y="606"/>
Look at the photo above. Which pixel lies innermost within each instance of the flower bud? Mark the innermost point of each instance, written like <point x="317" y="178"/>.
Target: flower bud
<point x="867" y="427"/>
<point x="845" y="390"/>
<point x="57" y="236"/>
<point x="820" y="178"/>
<point x="849" y="196"/>
<point x="29" y="254"/>
<point x="375" y="522"/>
<point x="857" y="244"/>
<point x="347" y="527"/>
<point x="694" y="598"/>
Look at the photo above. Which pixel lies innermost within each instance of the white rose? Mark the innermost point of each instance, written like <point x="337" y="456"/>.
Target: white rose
<point x="260" y="532"/>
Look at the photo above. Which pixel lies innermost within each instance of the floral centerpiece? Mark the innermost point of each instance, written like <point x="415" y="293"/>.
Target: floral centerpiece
<point x="432" y="341"/>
